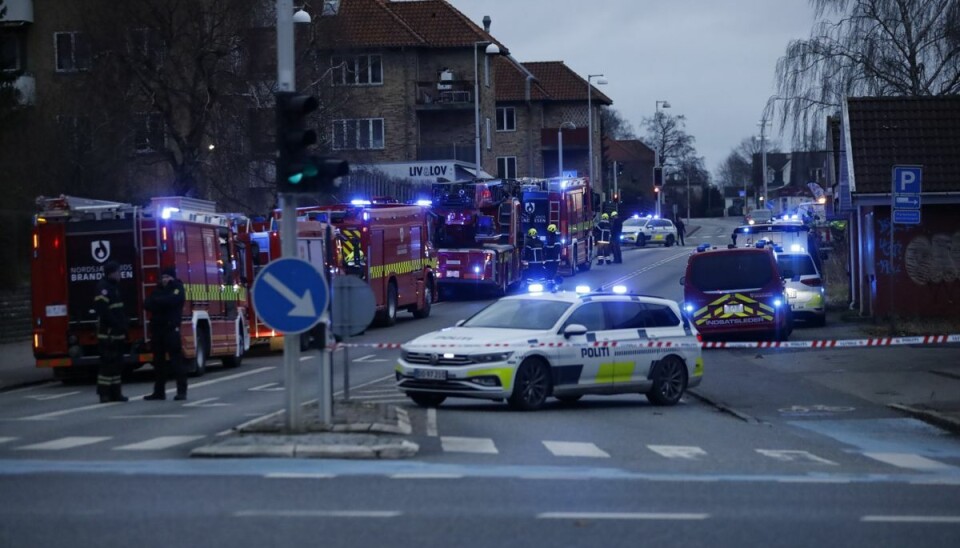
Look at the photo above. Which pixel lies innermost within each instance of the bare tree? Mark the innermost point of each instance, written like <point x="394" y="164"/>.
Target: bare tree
<point x="666" y="133"/>
<point x="614" y="125"/>
<point x="874" y="48"/>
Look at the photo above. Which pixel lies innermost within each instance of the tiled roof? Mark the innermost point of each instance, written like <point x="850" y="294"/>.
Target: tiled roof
<point x="889" y="131"/>
<point x="441" y="24"/>
<point x="366" y="24"/>
<point x="562" y="83"/>
<point x="512" y="81"/>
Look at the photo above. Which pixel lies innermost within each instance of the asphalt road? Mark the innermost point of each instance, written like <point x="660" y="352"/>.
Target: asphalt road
<point x="757" y="456"/>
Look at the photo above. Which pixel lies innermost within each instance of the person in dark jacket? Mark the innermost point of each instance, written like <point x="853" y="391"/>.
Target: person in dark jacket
<point x="112" y="324"/>
<point x="551" y="251"/>
<point x="602" y="230"/>
<point x="681" y="230"/>
<point x="616" y="228"/>
<point x="166" y="306"/>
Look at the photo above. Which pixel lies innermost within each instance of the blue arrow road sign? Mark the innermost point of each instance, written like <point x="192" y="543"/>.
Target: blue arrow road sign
<point x="906" y="202"/>
<point x="290" y="295"/>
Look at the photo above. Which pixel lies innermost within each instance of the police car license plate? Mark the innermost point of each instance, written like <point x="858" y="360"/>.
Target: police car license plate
<point x="658" y="236"/>
<point x="791" y="293"/>
<point x="430" y="374"/>
<point x="733" y="309"/>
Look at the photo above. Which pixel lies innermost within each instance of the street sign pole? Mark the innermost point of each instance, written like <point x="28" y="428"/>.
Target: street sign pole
<point x="286" y="80"/>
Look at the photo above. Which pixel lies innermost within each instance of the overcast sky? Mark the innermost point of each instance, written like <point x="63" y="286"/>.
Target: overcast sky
<point x="714" y="60"/>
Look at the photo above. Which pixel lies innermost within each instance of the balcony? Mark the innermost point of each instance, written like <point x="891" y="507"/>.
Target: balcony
<point x="462" y="152"/>
<point x="445" y="95"/>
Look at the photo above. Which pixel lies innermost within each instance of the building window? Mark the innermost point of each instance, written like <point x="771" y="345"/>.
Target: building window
<point x="506" y="119"/>
<point x="76" y="133"/>
<point x="9" y="53"/>
<point x="147" y="45"/>
<point x="507" y="167"/>
<point x="148" y="132"/>
<point x="360" y="134"/>
<point x="816" y="174"/>
<point x="359" y="70"/>
<point x="72" y="50"/>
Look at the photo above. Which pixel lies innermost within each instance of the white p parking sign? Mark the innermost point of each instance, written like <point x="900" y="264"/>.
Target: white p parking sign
<point x="905" y="194"/>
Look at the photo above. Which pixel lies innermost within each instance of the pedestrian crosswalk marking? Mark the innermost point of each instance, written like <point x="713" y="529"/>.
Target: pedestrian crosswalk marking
<point x="454" y="444"/>
<point x="6" y="439"/>
<point x="689" y="452"/>
<point x="68" y="442"/>
<point x="789" y="455"/>
<point x="906" y="460"/>
<point x="162" y="442"/>
<point x="575" y="449"/>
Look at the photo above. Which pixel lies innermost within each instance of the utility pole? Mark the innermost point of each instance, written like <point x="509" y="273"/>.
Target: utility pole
<point x="763" y="154"/>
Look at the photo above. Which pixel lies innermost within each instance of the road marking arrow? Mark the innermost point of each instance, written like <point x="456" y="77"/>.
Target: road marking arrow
<point x="302" y="306"/>
<point x="678" y="451"/>
<point x="786" y="455"/>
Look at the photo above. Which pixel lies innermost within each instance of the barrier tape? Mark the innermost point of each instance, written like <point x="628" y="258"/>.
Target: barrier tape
<point x="817" y="344"/>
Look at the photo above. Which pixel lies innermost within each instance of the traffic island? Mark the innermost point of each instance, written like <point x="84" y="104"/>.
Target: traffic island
<point x="358" y="431"/>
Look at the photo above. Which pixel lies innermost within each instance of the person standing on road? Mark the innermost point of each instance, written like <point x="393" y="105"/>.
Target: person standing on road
<point x="616" y="228"/>
<point x="551" y="251"/>
<point x="603" y="239"/>
<point x="112" y="324"/>
<point x="681" y="230"/>
<point x="166" y="305"/>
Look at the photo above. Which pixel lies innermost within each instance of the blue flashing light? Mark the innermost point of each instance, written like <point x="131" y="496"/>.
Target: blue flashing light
<point x="778" y="249"/>
<point x="636" y="215"/>
<point x="167" y="211"/>
<point x="688" y="308"/>
<point x="777" y="303"/>
<point x="582" y="289"/>
<point x="746" y="230"/>
<point x="476" y="270"/>
<point x="620" y="289"/>
<point x="535" y="288"/>
<point x="366" y="216"/>
<point x="360" y="202"/>
<point x="424" y="203"/>
<point x="796" y="248"/>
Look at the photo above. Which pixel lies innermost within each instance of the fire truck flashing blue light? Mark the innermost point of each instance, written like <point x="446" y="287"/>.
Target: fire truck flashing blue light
<point x="620" y="289"/>
<point x="167" y="211"/>
<point x="360" y="202"/>
<point x="424" y="203"/>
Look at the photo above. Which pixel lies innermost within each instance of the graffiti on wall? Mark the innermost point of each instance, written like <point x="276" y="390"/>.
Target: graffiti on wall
<point x="934" y="259"/>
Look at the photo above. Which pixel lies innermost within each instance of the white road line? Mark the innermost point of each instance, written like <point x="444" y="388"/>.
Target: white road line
<point x="29" y="388"/>
<point x="909" y="460"/>
<point x="622" y="515"/>
<point x="575" y="449"/>
<point x="789" y="455"/>
<point x="432" y="422"/>
<point x="368" y="358"/>
<point x="805" y="479"/>
<point x="299" y="475"/>
<point x="158" y="443"/>
<point x="4" y="439"/>
<point x="688" y="452"/>
<point x="269" y="387"/>
<point x="45" y="397"/>
<point x="206" y="402"/>
<point x="65" y="443"/>
<point x="305" y="358"/>
<point x="456" y="444"/>
<point x="316" y="514"/>
<point x="426" y="475"/>
<point x="148" y="417"/>
<point x="911" y="519"/>
<point x="62" y="412"/>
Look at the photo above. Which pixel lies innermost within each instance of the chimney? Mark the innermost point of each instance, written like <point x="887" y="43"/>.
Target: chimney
<point x="486" y="24"/>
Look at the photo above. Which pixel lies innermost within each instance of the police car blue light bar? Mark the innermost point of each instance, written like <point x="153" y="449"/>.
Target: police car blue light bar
<point x="620" y="289"/>
<point x="582" y="289"/>
<point x="535" y="288"/>
<point x="359" y="202"/>
<point x="688" y="307"/>
<point x="424" y="203"/>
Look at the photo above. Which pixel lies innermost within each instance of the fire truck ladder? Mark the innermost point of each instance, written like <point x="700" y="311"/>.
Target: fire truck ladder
<point x="555" y="213"/>
<point x="149" y="257"/>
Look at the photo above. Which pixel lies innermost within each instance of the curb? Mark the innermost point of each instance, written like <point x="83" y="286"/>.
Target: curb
<point x="725" y="408"/>
<point x="935" y="418"/>
<point x="310" y="449"/>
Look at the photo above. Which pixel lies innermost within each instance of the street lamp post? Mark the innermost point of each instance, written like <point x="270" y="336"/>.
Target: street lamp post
<point x="688" y="195"/>
<point x="600" y="82"/>
<point x="565" y="125"/>
<point x="656" y="149"/>
<point x="492" y="49"/>
<point x="763" y="153"/>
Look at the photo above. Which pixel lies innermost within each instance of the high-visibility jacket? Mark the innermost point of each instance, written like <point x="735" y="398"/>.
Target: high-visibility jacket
<point x="112" y="321"/>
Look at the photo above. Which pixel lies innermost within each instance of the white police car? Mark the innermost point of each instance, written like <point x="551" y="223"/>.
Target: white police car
<point x="526" y="348"/>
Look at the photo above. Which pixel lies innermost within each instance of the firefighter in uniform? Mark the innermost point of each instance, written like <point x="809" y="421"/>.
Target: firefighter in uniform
<point x="616" y="228"/>
<point x="603" y="239"/>
<point x="533" y="254"/>
<point x="111" y="333"/>
<point x="166" y="306"/>
<point x="551" y="251"/>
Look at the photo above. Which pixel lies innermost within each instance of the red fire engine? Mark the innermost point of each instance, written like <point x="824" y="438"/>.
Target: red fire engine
<point x="316" y="243"/>
<point x="566" y="203"/>
<point x="478" y="235"/>
<point x="74" y="237"/>
<point x="388" y="246"/>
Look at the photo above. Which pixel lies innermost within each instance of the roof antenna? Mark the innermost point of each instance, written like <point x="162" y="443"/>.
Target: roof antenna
<point x="486" y="23"/>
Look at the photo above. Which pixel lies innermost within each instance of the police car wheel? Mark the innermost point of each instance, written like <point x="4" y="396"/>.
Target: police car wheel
<point x="532" y="385"/>
<point x="669" y="382"/>
<point x="569" y="399"/>
<point x="426" y="400"/>
<point x="641" y="240"/>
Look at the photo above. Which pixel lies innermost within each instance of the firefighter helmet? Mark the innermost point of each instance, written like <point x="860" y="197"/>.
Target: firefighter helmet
<point x="552" y="228"/>
<point x="532" y="233"/>
<point x="604" y="217"/>
<point x="613" y="214"/>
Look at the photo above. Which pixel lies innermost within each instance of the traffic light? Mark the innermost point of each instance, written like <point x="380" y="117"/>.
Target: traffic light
<point x="658" y="176"/>
<point x="293" y="140"/>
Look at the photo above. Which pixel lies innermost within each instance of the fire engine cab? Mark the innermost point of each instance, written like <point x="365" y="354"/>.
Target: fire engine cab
<point x="74" y="237"/>
<point x="566" y="203"/>
<point x="478" y="238"/>
<point x="388" y="246"/>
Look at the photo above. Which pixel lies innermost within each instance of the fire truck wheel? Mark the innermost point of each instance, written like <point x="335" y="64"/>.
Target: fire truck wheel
<point x="235" y="360"/>
<point x="427" y="300"/>
<point x="389" y="316"/>
<point x="203" y="351"/>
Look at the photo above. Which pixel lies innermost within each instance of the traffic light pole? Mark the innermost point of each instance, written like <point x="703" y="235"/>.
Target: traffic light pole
<point x="286" y="79"/>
